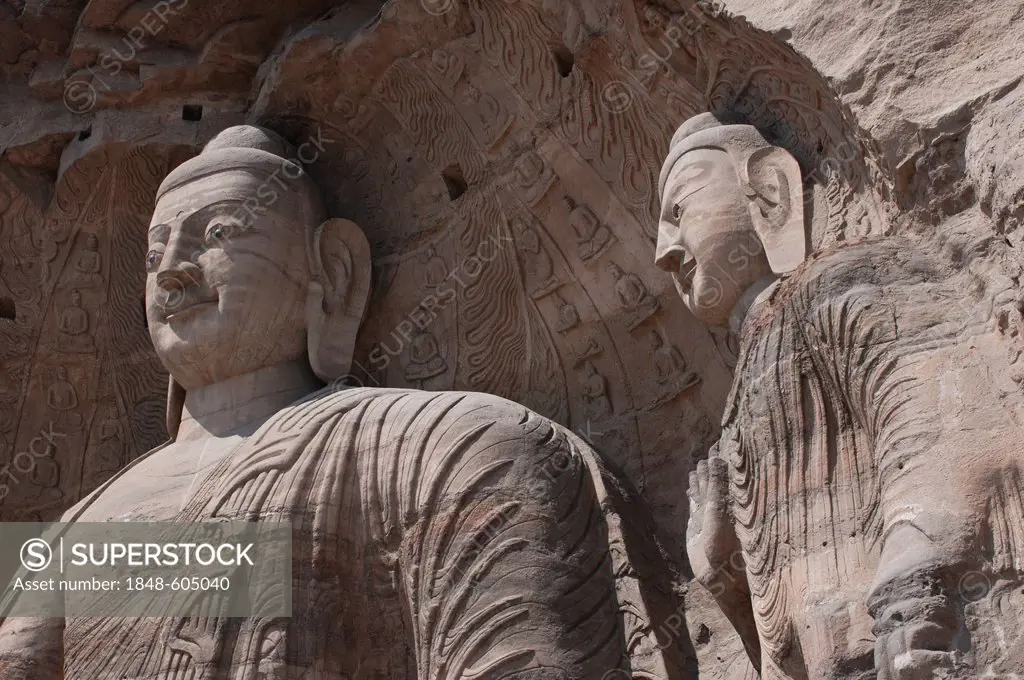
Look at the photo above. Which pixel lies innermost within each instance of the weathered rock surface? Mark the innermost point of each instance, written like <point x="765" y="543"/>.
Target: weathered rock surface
<point x="503" y="159"/>
<point x="923" y="78"/>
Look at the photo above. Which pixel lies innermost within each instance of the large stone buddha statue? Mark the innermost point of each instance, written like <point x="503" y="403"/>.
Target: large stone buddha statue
<point x="870" y="464"/>
<point x="437" y="535"/>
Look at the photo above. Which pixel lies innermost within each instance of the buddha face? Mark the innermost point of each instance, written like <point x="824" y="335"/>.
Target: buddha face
<point x="706" y="236"/>
<point x="225" y="291"/>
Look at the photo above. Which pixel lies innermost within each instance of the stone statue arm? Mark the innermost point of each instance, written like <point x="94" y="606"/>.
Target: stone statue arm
<point x="920" y="373"/>
<point x="516" y="560"/>
<point x="943" y="412"/>
<point x="714" y="550"/>
<point x="32" y="648"/>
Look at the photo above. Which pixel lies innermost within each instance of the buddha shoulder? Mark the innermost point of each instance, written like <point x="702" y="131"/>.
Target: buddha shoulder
<point x="428" y="443"/>
<point x="417" y="414"/>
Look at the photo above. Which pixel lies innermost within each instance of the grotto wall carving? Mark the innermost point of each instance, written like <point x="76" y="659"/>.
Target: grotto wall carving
<point x="865" y="472"/>
<point x="503" y="160"/>
<point x="483" y="541"/>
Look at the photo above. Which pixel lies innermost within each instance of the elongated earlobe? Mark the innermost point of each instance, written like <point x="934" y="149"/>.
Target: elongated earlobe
<point x="338" y="296"/>
<point x="775" y="190"/>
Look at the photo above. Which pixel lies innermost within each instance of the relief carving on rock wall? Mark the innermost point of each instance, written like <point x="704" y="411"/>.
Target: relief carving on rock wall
<point x="515" y="263"/>
<point x="504" y="161"/>
<point x="434" y="534"/>
<point x="81" y="387"/>
<point x="862" y="510"/>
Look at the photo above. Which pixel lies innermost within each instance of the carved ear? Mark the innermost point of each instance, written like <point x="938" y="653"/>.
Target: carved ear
<point x="777" y="207"/>
<point x="338" y="294"/>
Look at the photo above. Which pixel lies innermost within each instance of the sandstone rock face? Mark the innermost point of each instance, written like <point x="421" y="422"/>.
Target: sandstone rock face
<point x="904" y="67"/>
<point x="441" y="533"/>
<point x="503" y="161"/>
<point x="837" y="503"/>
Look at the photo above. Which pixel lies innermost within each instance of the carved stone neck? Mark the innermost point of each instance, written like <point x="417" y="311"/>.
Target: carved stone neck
<point x="218" y="409"/>
<point x="751" y="297"/>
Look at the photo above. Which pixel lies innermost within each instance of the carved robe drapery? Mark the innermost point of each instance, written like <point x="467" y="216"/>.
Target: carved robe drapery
<point x="437" y="535"/>
<point x="869" y="398"/>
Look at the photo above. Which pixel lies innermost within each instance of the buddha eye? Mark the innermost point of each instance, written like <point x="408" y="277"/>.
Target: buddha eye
<point x="153" y="258"/>
<point x="219" y="233"/>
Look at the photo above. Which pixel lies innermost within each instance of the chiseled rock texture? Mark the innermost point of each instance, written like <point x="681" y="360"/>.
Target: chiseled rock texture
<point x="503" y="160"/>
<point x="937" y="84"/>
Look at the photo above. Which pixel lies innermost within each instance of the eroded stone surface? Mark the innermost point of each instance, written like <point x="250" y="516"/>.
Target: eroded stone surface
<point x="865" y="481"/>
<point x="503" y="162"/>
<point x="483" y="540"/>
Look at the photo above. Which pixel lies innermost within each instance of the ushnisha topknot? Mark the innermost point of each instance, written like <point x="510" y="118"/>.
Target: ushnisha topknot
<point x="251" y="137"/>
<point x="706" y="131"/>
<point x="282" y="184"/>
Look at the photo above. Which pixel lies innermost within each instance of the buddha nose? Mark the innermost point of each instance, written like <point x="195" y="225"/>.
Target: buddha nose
<point x="673" y="257"/>
<point x="179" y="276"/>
<point x="178" y="269"/>
<point x="670" y="254"/>
<point x="669" y="258"/>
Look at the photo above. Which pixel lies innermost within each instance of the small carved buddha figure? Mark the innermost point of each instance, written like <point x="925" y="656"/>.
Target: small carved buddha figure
<point x="596" y="404"/>
<point x="47" y="242"/>
<point x="637" y="302"/>
<point x="425" y="360"/>
<point x="590" y="347"/>
<point x="109" y="453"/>
<point x="73" y="333"/>
<point x="436" y="270"/>
<point x="493" y="119"/>
<point x="449" y="67"/>
<point x="40" y="489"/>
<point x="868" y="371"/>
<point x="389" y="490"/>
<point x="62" y="398"/>
<point x="533" y="177"/>
<point x="568" y="316"/>
<point x="673" y="375"/>
<point x="591" y="235"/>
<point x="89" y="263"/>
<point x="540" y="276"/>
<point x="45" y="476"/>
